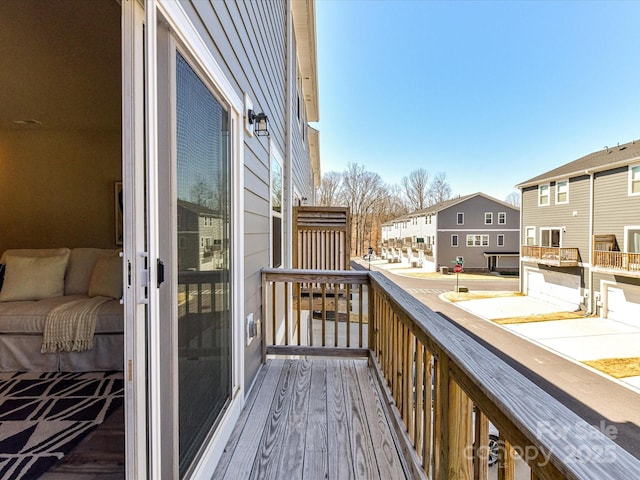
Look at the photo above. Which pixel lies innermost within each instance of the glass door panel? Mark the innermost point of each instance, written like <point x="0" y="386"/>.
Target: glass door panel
<point x="203" y="252"/>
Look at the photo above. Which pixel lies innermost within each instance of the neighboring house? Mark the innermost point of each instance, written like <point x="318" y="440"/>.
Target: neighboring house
<point x="482" y="230"/>
<point x="159" y="95"/>
<point x="581" y="234"/>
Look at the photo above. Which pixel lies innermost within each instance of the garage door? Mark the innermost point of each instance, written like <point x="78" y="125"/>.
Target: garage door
<point x="555" y="287"/>
<point x="621" y="308"/>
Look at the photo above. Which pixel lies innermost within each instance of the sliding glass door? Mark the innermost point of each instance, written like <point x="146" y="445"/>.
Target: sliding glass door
<point x="203" y="253"/>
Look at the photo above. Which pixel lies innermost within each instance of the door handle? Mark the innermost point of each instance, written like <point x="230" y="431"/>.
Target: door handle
<point x="160" y="272"/>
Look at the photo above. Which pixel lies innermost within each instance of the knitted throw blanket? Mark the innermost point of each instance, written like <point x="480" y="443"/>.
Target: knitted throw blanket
<point x="70" y="326"/>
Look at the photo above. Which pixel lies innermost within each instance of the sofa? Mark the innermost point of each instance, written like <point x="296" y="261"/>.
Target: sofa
<point x="39" y="285"/>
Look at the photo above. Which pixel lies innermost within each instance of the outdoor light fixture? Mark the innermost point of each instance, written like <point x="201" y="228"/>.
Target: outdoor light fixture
<point x="260" y="123"/>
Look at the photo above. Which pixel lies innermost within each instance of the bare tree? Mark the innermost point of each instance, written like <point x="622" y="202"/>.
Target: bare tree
<point x="513" y="199"/>
<point x="439" y="190"/>
<point x="328" y="192"/>
<point x="416" y="189"/>
<point x="361" y="189"/>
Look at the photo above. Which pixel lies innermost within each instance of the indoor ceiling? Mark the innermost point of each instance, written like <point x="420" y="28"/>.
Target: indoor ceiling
<point x="60" y="64"/>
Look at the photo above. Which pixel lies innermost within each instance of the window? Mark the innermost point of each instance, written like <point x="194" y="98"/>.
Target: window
<point x="562" y="191"/>
<point x="634" y="180"/>
<point x="502" y="218"/>
<point x="276" y="211"/>
<point x="203" y="193"/>
<point x="488" y="218"/>
<point x="550" y="237"/>
<point x="454" y="240"/>
<point x="460" y="218"/>
<point x="632" y="239"/>
<point x="477" y="240"/>
<point x="543" y="195"/>
<point x="501" y="240"/>
<point x="530" y="236"/>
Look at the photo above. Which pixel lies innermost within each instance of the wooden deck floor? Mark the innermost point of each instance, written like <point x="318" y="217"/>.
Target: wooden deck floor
<point x="312" y="419"/>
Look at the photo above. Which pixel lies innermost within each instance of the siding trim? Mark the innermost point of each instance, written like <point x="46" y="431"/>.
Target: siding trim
<point x="186" y="32"/>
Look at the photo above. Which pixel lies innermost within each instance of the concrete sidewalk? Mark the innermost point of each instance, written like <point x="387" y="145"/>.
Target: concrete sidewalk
<point x="579" y="339"/>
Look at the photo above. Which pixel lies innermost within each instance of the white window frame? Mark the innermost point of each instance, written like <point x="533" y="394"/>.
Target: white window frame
<point x="500" y="240"/>
<point x="527" y="236"/>
<point x="460" y="215"/>
<point x="502" y="218"/>
<point x="551" y="229"/>
<point x="565" y="182"/>
<point x="488" y="218"/>
<point x="276" y="156"/>
<point x="634" y="178"/>
<point x="477" y="240"/>
<point x="627" y="229"/>
<point x="547" y="187"/>
<point x="455" y="242"/>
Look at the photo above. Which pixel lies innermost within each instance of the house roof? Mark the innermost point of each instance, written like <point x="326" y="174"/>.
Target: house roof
<point x="438" y="207"/>
<point x="605" y="159"/>
<point x="198" y="209"/>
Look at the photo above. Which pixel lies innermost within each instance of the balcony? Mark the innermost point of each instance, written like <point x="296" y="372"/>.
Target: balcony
<point x="395" y="391"/>
<point x="552" y="256"/>
<point x="607" y="258"/>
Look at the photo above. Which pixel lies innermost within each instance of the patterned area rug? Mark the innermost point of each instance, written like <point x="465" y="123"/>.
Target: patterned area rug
<point x="44" y="415"/>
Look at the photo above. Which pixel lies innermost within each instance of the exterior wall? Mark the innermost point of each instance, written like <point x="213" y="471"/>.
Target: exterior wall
<point x="249" y="40"/>
<point x="474" y="210"/>
<point x="572" y="217"/>
<point x="614" y="208"/>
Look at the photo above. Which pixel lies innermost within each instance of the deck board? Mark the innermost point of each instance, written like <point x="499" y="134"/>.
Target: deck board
<point x="310" y="419"/>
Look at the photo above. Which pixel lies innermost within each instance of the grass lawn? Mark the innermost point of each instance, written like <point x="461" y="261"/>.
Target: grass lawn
<point x="617" y="367"/>
<point x="463" y="296"/>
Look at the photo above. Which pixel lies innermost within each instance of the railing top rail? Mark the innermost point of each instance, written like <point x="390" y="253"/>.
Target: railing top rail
<point x="514" y="403"/>
<point x="315" y="276"/>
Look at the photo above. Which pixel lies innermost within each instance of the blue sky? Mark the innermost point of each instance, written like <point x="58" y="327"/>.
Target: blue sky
<point x="491" y="93"/>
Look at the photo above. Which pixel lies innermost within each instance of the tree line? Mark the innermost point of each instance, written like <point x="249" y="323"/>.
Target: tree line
<point x="373" y="202"/>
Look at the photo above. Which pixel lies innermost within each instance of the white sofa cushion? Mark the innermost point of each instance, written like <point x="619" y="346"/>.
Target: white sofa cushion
<point x="82" y="262"/>
<point x="33" y="277"/>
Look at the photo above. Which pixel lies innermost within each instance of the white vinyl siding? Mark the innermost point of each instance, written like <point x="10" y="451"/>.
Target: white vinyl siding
<point x="477" y="240"/>
<point x="488" y="218"/>
<point x="543" y="195"/>
<point x="562" y="191"/>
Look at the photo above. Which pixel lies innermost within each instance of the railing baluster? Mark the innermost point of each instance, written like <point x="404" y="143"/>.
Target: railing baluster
<point x="336" y="301"/>
<point x="348" y="293"/>
<point x="420" y="398"/>
<point x="298" y="311"/>
<point x="360" y="315"/>
<point x="286" y="313"/>
<point x="481" y="446"/>
<point x="273" y="312"/>
<point x="324" y="314"/>
<point x="506" y="460"/>
<point x="310" y="305"/>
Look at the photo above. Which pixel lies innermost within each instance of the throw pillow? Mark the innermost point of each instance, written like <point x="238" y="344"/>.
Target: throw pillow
<point x="106" y="280"/>
<point x="33" y="278"/>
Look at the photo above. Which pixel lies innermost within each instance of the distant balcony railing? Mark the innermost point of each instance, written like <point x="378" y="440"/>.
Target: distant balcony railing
<point x="441" y="387"/>
<point x="553" y="256"/>
<point x="619" y="261"/>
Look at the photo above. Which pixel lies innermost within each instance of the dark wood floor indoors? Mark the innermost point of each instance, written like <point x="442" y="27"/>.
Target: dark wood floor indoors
<point x="312" y="419"/>
<point x="100" y="456"/>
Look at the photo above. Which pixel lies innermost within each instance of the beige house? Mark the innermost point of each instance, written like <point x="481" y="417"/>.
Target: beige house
<point x="581" y="234"/>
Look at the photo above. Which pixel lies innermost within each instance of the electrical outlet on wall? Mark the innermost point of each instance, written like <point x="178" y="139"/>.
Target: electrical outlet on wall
<point x="250" y="329"/>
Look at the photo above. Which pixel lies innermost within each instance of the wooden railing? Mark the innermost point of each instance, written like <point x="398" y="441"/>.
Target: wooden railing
<point x="441" y="386"/>
<point x="556" y="256"/>
<point x="629" y="262"/>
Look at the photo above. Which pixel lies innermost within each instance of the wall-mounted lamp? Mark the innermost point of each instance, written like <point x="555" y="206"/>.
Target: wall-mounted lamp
<point x="260" y="123"/>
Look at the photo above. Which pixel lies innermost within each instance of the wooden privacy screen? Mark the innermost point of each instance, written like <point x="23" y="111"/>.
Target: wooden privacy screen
<point x="321" y="238"/>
